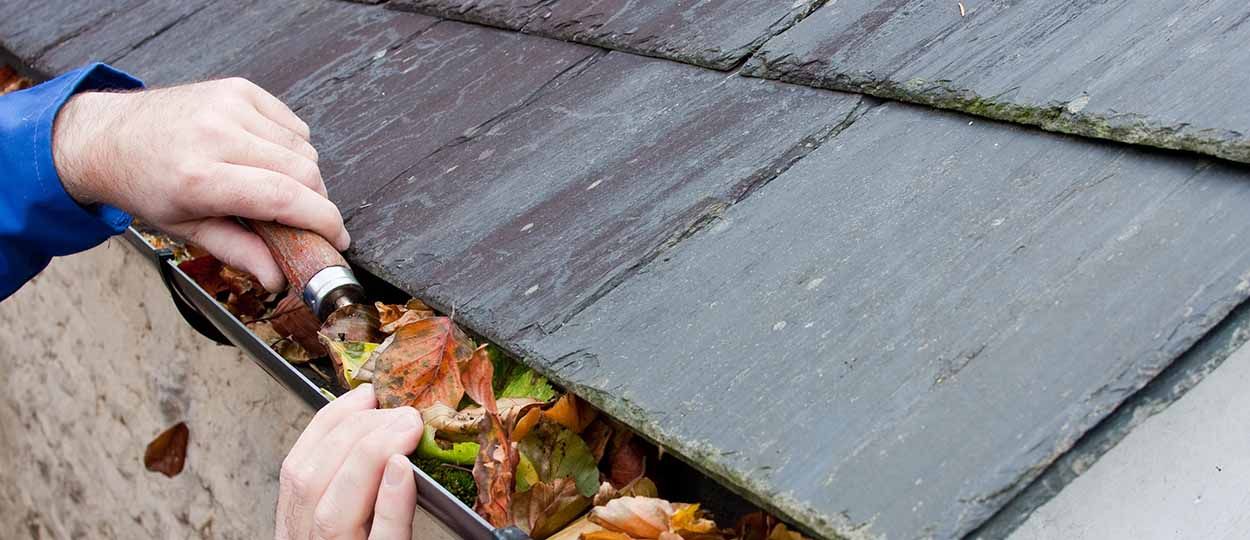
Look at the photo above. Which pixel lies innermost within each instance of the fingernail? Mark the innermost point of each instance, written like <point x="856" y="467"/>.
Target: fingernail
<point x="396" y="469"/>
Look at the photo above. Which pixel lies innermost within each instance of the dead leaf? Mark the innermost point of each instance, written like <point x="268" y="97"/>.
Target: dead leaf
<point x="394" y="316"/>
<point x="353" y="322"/>
<point x="642" y="487"/>
<point x="493" y="471"/>
<point x="293" y="319"/>
<point x="167" y="453"/>
<point x="240" y="293"/>
<point x="639" y="517"/>
<point x="205" y="271"/>
<point x="477" y="376"/>
<point x="605" y="535"/>
<point x="546" y="508"/>
<point x="597" y="437"/>
<point x="627" y="461"/>
<point x="465" y="424"/>
<point x="349" y="359"/>
<point x="572" y="413"/>
<point x="688" y="521"/>
<point x="780" y="532"/>
<point x="419" y="365"/>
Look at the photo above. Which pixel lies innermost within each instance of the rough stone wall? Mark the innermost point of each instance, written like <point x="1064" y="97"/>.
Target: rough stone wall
<point x="96" y="363"/>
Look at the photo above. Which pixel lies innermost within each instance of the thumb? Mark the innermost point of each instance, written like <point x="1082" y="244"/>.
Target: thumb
<point x="397" y="501"/>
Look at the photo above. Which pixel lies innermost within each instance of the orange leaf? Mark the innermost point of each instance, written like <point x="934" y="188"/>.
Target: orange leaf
<point x="571" y="413"/>
<point x="493" y="472"/>
<point x="605" y="535"/>
<point x="395" y="316"/>
<point x="419" y="365"/>
<point x="477" y="375"/>
<point x="167" y="453"/>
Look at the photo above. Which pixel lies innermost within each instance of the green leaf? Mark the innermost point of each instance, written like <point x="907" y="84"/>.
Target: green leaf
<point x="526" y="474"/>
<point x="461" y="453"/>
<point x="350" y="355"/>
<point x="515" y="380"/>
<point x="557" y="452"/>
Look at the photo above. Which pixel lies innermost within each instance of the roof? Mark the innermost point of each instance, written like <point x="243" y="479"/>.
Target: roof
<point x="753" y="230"/>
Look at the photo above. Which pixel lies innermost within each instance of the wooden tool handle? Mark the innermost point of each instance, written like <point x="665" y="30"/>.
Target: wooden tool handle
<point x="300" y="254"/>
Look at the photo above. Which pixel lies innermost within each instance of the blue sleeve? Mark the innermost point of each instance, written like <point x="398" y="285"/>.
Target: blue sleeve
<point x="38" y="219"/>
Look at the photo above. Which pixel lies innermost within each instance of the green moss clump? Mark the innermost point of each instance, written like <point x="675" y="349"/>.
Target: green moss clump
<point x="455" y="480"/>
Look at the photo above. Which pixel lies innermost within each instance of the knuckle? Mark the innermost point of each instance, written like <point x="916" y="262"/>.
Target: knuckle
<point x="294" y="478"/>
<point x="326" y="522"/>
<point x="281" y="197"/>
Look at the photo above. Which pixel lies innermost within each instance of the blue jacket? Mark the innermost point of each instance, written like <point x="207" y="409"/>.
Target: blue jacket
<point x="38" y="220"/>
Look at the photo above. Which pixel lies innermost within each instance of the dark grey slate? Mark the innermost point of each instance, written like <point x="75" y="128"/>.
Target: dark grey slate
<point x="895" y="336"/>
<point x="1152" y="73"/>
<point x="114" y="35"/>
<point x="409" y="102"/>
<point x="718" y="34"/>
<point x="289" y="47"/>
<point x="526" y="220"/>
<point x="30" y="28"/>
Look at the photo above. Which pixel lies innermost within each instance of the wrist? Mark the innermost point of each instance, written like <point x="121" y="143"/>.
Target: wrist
<point x="81" y="145"/>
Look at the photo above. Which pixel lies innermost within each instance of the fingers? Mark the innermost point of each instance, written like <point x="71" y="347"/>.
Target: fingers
<point x="397" y="502"/>
<point x="305" y="477"/>
<point x="234" y="245"/>
<point x="264" y="195"/>
<point x="349" y="499"/>
<point x="255" y="151"/>
<point x="274" y="109"/>
<point x="359" y="399"/>
<point x="295" y="503"/>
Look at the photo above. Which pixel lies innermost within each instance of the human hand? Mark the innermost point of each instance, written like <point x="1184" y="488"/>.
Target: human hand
<point x="188" y="159"/>
<point x="333" y="482"/>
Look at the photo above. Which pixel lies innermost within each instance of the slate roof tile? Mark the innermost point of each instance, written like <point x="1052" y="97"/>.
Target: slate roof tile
<point x="1153" y="73"/>
<point x="895" y="335"/>
<point x="880" y="320"/>
<point x="717" y="34"/>
<point x="528" y="218"/>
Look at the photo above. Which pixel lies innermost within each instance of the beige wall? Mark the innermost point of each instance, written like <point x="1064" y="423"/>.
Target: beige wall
<point x="97" y="362"/>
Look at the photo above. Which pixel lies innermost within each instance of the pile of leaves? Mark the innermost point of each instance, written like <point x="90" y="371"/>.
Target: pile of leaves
<point x="497" y="434"/>
<point x="11" y="81"/>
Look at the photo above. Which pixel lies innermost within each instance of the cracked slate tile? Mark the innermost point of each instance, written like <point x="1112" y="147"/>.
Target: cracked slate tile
<point x="1158" y="74"/>
<point x="533" y="215"/>
<point x="289" y="48"/>
<point x="899" y="332"/>
<point x="408" y="102"/>
<point x="718" y="35"/>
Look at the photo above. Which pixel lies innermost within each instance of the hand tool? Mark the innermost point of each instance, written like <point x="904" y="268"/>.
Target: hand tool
<point x="312" y="266"/>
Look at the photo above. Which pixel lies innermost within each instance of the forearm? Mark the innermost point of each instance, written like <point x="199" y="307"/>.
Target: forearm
<point x="39" y="219"/>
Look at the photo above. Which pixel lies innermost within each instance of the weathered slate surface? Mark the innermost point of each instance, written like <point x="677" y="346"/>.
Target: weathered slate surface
<point x="895" y="335"/>
<point x="1154" y="73"/>
<point x="409" y="102"/>
<point x="526" y="220"/>
<point x="59" y="35"/>
<point x="718" y="35"/>
<point x="289" y="47"/>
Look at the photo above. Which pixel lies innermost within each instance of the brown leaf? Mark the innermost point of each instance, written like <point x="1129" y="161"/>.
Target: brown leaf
<point x="545" y="508"/>
<point x="494" y="471"/>
<point x="639" y="517"/>
<point x="205" y="271"/>
<point x="464" y="425"/>
<point x="572" y="413"/>
<point x="419" y="365"/>
<point x="353" y="322"/>
<point x="167" y="453"/>
<point x="627" y="461"/>
<point x="294" y="320"/>
<point x="477" y="376"/>
<point x="394" y="316"/>
<point x="605" y="535"/>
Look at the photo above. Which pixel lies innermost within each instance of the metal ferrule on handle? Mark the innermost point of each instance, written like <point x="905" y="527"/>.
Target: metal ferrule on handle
<point x="330" y="289"/>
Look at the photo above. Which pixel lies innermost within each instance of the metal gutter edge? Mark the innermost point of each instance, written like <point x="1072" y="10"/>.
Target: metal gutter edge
<point x="431" y="496"/>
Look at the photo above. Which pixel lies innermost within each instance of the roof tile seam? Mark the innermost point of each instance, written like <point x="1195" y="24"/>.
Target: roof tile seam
<point x="176" y="22"/>
<point x="1132" y="129"/>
